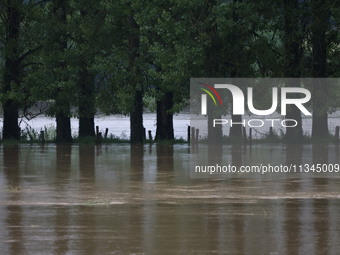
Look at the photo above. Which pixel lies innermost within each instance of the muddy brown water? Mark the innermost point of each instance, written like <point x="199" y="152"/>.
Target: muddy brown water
<point x="117" y="199"/>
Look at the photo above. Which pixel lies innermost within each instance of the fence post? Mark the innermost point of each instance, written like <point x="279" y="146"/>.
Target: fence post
<point x="193" y="135"/>
<point x="150" y="135"/>
<point x="189" y="134"/>
<point x="42" y="136"/>
<point x="99" y="138"/>
<point x="250" y="135"/>
<point x="197" y="135"/>
<point x="337" y="134"/>
<point x="244" y="133"/>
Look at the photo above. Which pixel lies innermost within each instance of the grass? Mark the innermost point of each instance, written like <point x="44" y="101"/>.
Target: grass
<point x="13" y="188"/>
<point x="30" y="135"/>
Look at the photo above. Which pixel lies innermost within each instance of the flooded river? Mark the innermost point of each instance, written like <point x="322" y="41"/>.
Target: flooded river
<point x="117" y="199"/>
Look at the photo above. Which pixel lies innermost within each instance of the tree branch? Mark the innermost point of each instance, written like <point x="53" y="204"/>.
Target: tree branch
<point x="40" y="2"/>
<point x="28" y="53"/>
<point x="31" y="64"/>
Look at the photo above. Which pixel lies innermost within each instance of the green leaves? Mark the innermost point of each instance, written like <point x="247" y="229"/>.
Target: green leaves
<point x="152" y="46"/>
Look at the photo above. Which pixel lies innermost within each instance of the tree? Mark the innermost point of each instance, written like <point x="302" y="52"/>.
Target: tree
<point x="320" y="15"/>
<point x="172" y="51"/>
<point x="59" y="67"/>
<point x="120" y="66"/>
<point x="19" y="42"/>
<point x="136" y="113"/>
<point x="88" y="33"/>
<point x="292" y="39"/>
<point x="11" y="79"/>
<point x="62" y="104"/>
<point x="86" y="102"/>
<point x="230" y="52"/>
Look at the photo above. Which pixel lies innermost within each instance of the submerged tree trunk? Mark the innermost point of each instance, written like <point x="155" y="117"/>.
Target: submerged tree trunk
<point x="11" y="128"/>
<point x="165" y="127"/>
<point x="86" y="126"/>
<point x="62" y="104"/>
<point x="136" y="114"/>
<point x="320" y="15"/>
<point x="136" y="119"/>
<point x="86" y="103"/>
<point x="63" y="128"/>
<point x="236" y="130"/>
<point x="293" y="54"/>
<point x="294" y="134"/>
<point x="86" y="88"/>
<point x="320" y="116"/>
<point x="215" y="134"/>
<point x="11" y="72"/>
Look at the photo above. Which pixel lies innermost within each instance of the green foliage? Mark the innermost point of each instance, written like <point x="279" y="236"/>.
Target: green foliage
<point x="177" y="39"/>
<point x="170" y="34"/>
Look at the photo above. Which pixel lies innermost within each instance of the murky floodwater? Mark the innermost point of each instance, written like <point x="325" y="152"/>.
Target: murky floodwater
<point x="117" y="199"/>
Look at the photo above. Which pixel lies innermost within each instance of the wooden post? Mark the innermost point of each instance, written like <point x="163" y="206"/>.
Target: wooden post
<point x="250" y="135"/>
<point x="271" y="132"/>
<point x="150" y="135"/>
<point x="99" y="138"/>
<point x="42" y="136"/>
<point x="106" y="133"/>
<point x="97" y="134"/>
<point x="144" y="132"/>
<point x="193" y="135"/>
<point x="197" y="135"/>
<point x="188" y="134"/>
<point x="244" y="133"/>
<point x="337" y="134"/>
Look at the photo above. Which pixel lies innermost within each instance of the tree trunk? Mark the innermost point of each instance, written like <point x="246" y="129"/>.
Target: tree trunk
<point x="86" y="96"/>
<point x="11" y="73"/>
<point x="235" y="133"/>
<point x="86" y="127"/>
<point x="165" y="127"/>
<point x="293" y="53"/>
<point x="319" y="104"/>
<point x="320" y="15"/>
<point x="11" y="128"/>
<point x="86" y="104"/>
<point x="215" y="134"/>
<point x="136" y="119"/>
<point x="136" y="114"/>
<point x="294" y="134"/>
<point x="63" y="128"/>
<point x="62" y="104"/>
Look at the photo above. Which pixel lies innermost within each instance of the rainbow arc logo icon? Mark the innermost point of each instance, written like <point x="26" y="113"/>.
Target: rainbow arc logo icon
<point x="211" y="92"/>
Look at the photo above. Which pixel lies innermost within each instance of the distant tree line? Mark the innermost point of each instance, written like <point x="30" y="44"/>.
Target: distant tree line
<point x="114" y="55"/>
